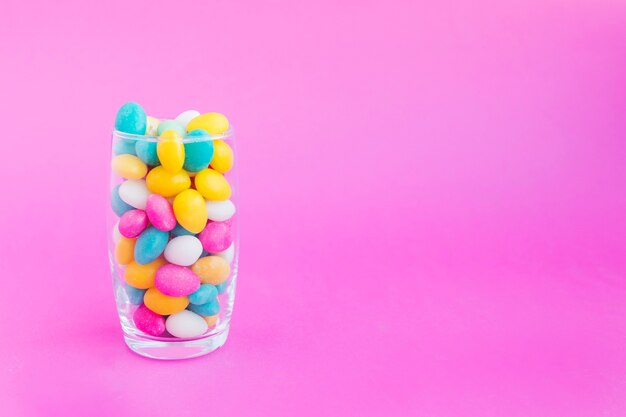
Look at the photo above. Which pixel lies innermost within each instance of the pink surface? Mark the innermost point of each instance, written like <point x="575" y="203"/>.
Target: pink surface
<point x="432" y="205"/>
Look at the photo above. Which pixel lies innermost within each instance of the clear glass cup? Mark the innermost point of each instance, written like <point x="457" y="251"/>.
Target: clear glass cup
<point x="134" y="194"/>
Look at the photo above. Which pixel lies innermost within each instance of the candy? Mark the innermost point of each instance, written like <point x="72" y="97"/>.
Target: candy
<point x="198" y="155"/>
<point x="221" y="287"/>
<point x="152" y="126"/>
<point x="147" y="152"/>
<point x="160" y="213"/>
<point x="142" y="276"/>
<point x="164" y="304"/>
<point x="148" y="321"/>
<point x="216" y="236"/>
<point x="183" y="250"/>
<point x="185" y="117"/>
<point x="207" y="309"/>
<point x="227" y="254"/>
<point x="116" y="232"/>
<point x="171" y="151"/>
<point x="212" y="185"/>
<point x="214" y="123"/>
<point x="186" y="324"/>
<point x="176" y="280"/>
<point x="174" y="125"/>
<point x="150" y="245"/>
<point x="135" y="295"/>
<point x="118" y="205"/>
<point x="211" y="270"/>
<point x="203" y="295"/>
<point x="220" y="211"/>
<point x="134" y="193"/>
<point x="165" y="183"/>
<point x="190" y="210"/>
<point x="124" y="146"/>
<point x="131" y="118"/>
<point x="222" y="156"/>
<point x="124" y="251"/>
<point x="211" y="320"/>
<point x="180" y="231"/>
<point x="133" y="222"/>
<point x="128" y="166"/>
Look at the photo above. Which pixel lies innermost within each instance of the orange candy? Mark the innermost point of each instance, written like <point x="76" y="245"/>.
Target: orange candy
<point x="125" y="250"/>
<point x="142" y="276"/>
<point x="164" y="304"/>
<point x="211" y="269"/>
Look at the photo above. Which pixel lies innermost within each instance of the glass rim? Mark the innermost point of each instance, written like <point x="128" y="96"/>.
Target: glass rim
<point x="187" y="139"/>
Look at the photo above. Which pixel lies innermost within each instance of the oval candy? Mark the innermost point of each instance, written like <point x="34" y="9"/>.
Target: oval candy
<point x="216" y="236"/>
<point x="171" y="151"/>
<point x="124" y="251"/>
<point x="133" y="222"/>
<point x="203" y="295"/>
<point x="185" y="117"/>
<point x="207" y="309"/>
<point x="147" y="152"/>
<point x="176" y="280"/>
<point x="134" y="193"/>
<point x="214" y="123"/>
<point x="128" y="166"/>
<point x="190" y="210"/>
<point x="222" y="156"/>
<point x="183" y="250"/>
<point x="160" y="213"/>
<point x="152" y="126"/>
<point x="228" y="254"/>
<point x="174" y="125"/>
<point x="212" y="185"/>
<point x="186" y="324"/>
<point x="164" y="304"/>
<point x="131" y="118"/>
<point x="118" y="205"/>
<point x="135" y="295"/>
<point x="142" y="276"/>
<point x="148" y="321"/>
<point x="150" y="245"/>
<point x="124" y="146"/>
<point x="165" y="183"/>
<point x="220" y="211"/>
<point x="198" y="154"/>
<point x="211" y="270"/>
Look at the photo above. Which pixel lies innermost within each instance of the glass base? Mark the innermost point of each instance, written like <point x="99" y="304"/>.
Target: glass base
<point x="176" y="349"/>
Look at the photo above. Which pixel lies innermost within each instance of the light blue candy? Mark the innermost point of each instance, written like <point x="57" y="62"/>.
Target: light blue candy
<point x="150" y="245"/>
<point x="203" y="295"/>
<point x="124" y="146"/>
<point x="147" y="152"/>
<point x="207" y="309"/>
<point x="171" y="125"/>
<point x="198" y="155"/>
<point x="131" y="118"/>
<point x="180" y="231"/>
<point x="221" y="287"/>
<point x="135" y="295"/>
<point x="117" y="204"/>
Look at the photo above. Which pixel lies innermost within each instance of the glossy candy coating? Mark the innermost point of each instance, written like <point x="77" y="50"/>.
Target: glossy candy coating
<point x="134" y="193"/>
<point x="150" y="245"/>
<point x="164" y="304"/>
<point x="190" y="210"/>
<point x="171" y="151"/>
<point x="118" y="205"/>
<point x="128" y="167"/>
<point x="211" y="269"/>
<point x="203" y="295"/>
<point x="214" y="123"/>
<point x="142" y="276"/>
<point x="212" y="185"/>
<point x="147" y="152"/>
<point x="216" y="236"/>
<point x="207" y="309"/>
<point x="174" y="125"/>
<point x="133" y="222"/>
<point x="223" y="158"/>
<point x="148" y="321"/>
<point x="176" y="280"/>
<point x="186" y="324"/>
<point x="165" y="183"/>
<point x="160" y="213"/>
<point x="125" y="251"/>
<point x="198" y="155"/>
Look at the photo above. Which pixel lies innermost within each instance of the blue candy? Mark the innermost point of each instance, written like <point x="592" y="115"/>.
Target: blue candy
<point x="131" y="118"/>
<point x="180" y="231"/>
<point x="207" y="309"/>
<point x="124" y="146"/>
<point x="147" y="152"/>
<point x="222" y="287"/>
<point x="135" y="295"/>
<point x="198" y="155"/>
<point x="150" y="245"/>
<point x="117" y="204"/>
<point x="171" y="125"/>
<point x="203" y="295"/>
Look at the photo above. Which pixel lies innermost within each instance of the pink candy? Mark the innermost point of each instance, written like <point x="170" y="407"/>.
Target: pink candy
<point x="133" y="222"/>
<point x="176" y="280"/>
<point x="148" y="321"/>
<point x="216" y="236"/>
<point x="160" y="213"/>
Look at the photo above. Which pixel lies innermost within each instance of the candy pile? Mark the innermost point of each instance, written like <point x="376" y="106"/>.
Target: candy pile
<point x="174" y="237"/>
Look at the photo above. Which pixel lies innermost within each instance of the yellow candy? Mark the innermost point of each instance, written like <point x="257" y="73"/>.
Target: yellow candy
<point x="212" y="185"/>
<point x="142" y="276"/>
<point x="164" y="304"/>
<point x="190" y="210"/>
<point x="222" y="156"/>
<point x="129" y="167"/>
<point x="211" y="320"/>
<point x="214" y="123"/>
<point x="171" y="151"/>
<point x="211" y="269"/>
<point x="125" y="251"/>
<point x="160" y="181"/>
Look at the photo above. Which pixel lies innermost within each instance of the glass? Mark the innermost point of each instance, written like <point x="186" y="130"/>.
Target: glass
<point x="145" y="199"/>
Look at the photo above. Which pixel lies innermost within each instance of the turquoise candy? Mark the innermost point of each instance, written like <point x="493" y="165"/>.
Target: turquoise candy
<point x="198" y="155"/>
<point x="124" y="146"/>
<point x="117" y="204"/>
<point x="171" y="125"/>
<point x="203" y="295"/>
<point x="150" y="245"/>
<point x="135" y="295"/>
<point x="147" y="152"/>
<point x="131" y="118"/>
<point x="221" y="287"/>
<point x="207" y="309"/>
<point x="180" y="231"/>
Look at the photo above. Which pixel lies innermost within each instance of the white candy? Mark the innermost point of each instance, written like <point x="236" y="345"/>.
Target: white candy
<point x="152" y="126"/>
<point x="185" y="117"/>
<point x="183" y="250"/>
<point x="220" y="211"/>
<point x="186" y="324"/>
<point x="116" y="232"/>
<point x="228" y="253"/>
<point x="135" y="193"/>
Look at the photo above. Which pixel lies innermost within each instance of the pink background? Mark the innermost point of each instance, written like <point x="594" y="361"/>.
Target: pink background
<point x="433" y="205"/>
